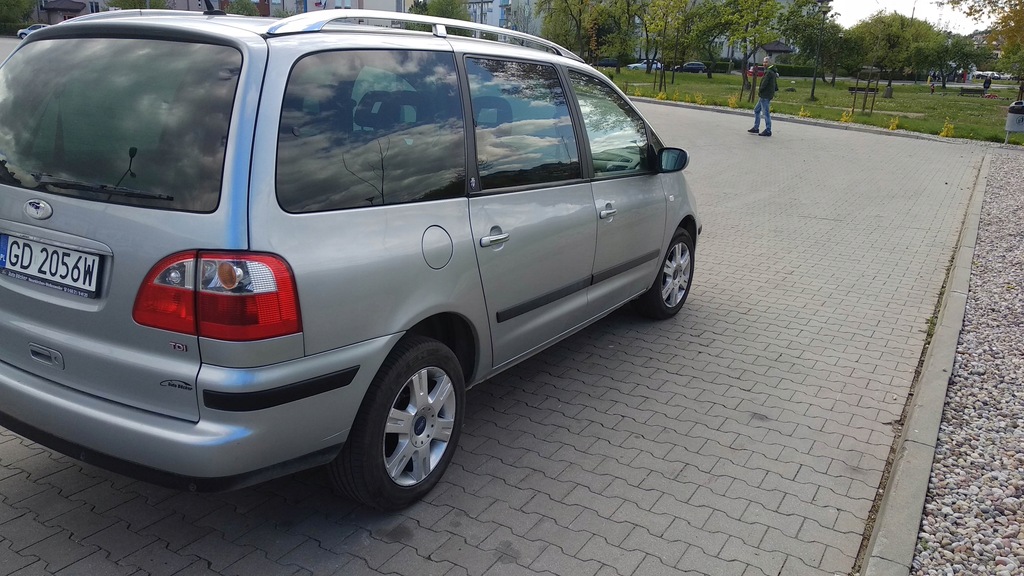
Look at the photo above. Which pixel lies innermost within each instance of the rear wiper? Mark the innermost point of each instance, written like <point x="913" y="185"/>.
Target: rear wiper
<point x="97" y="188"/>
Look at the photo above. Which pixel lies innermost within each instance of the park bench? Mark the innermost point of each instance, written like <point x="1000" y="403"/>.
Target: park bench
<point x="861" y="90"/>
<point x="970" y="91"/>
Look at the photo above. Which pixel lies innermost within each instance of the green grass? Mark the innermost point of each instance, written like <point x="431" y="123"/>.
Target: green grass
<point x="913" y="106"/>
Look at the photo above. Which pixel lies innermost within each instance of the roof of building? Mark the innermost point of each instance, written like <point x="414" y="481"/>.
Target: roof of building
<point x="64" y="5"/>
<point x="777" y="46"/>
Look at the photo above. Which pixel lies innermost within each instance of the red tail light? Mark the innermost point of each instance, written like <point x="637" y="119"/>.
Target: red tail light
<point x="233" y="296"/>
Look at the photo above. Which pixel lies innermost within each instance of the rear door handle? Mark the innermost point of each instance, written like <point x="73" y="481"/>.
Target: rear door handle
<point x="608" y="213"/>
<point x="45" y="355"/>
<point x="493" y="240"/>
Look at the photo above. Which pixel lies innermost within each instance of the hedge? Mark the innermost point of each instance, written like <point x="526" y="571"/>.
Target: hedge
<point x="794" y="71"/>
<point x="11" y="28"/>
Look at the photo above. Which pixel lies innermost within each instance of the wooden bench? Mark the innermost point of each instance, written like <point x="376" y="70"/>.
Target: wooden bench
<point x="859" y="90"/>
<point x="965" y="91"/>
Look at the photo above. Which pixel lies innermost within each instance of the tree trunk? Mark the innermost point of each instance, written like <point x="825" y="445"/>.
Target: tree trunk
<point x="888" y="87"/>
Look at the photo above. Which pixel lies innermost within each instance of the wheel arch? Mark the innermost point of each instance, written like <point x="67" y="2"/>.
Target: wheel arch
<point x="689" y="223"/>
<point x="455" y="332"/>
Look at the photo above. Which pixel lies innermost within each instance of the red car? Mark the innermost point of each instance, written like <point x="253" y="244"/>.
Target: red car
<point x="759" y="69"/>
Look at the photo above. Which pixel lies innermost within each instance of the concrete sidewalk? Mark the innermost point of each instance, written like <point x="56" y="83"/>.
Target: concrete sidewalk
<point x="745" y="437"/>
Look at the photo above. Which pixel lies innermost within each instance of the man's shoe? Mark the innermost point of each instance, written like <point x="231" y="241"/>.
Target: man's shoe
<point x="752" y="130"/>
<point x="765" y="133"/>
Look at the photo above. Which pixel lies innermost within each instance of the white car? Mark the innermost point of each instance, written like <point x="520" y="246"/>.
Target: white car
<point x="26" y="31"/>
<point x="642" y="65"/>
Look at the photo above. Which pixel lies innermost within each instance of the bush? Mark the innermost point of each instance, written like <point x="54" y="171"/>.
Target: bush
<point x="794" y="71"/>
<point x="11" y="28"/>
<point x="720" y="67"/>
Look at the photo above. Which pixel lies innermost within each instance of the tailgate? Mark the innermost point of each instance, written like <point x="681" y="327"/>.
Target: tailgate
<point x="109" y="164"/>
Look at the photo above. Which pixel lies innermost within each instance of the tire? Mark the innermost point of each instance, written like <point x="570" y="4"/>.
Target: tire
<point x="398" y="448"/>
<point x="668" y="293"/>
<point x="22" y="36"/>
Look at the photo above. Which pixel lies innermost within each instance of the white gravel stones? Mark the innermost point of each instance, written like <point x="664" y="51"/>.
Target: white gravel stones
<point x="973" y="521"/>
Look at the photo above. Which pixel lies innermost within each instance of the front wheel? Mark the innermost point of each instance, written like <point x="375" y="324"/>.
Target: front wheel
<point x="22" y="36"/>
<point x="405" y="433"/>
<point x="671" y="286"/>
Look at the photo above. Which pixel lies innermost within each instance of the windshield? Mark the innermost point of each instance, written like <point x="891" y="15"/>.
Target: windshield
<point x="118" y="120"/>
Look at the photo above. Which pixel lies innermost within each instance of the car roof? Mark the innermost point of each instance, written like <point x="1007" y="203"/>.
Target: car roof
<point x="334" y="21"/>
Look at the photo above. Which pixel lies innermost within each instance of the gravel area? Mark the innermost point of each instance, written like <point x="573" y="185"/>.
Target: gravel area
<point x="973" y="520"/>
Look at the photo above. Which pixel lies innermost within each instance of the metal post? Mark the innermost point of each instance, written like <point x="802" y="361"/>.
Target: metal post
<point x="822" y="7"/>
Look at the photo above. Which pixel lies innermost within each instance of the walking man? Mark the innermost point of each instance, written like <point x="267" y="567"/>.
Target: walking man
<point x="769" y="86"/>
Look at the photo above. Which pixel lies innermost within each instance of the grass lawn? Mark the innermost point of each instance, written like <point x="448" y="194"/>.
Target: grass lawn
<point x="912" y="107"/>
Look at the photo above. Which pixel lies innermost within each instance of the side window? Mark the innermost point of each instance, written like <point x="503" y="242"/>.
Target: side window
<point x="368" y="128"/>
<point x="617" y="135"/>
<point x="523" y="131"/>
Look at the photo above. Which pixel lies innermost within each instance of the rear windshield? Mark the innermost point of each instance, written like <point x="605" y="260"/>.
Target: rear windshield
<point x="118" y="120"/>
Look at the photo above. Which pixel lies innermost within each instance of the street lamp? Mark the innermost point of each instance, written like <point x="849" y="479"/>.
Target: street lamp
<point x="823" y="8"/>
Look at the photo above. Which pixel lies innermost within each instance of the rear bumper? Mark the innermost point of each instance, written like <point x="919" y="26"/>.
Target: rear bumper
<point x="164" y="477"/>
<point x="258" y="428"/>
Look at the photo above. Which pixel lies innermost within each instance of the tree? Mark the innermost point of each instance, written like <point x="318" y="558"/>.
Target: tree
<point x="892" y="43"/>
<point x="754" y="23"/>
<point x="1009" y="32"/>
<point x="454" y="9"/>
<point x="616" y="28"/>
<point x="981" y="8"/>
<point x="671" y="21"/>
<point x="711" y="22"/>
<point x="815" y="35"/>
<point x="242" y="8"/>
<point x="15" y="10"/>
<point x="565" y="22"/>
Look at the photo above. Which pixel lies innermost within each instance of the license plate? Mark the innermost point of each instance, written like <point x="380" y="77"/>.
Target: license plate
<point x="40" y="263"/>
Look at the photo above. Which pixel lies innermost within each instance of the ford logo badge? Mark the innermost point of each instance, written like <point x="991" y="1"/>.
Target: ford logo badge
<point x="38" y="209"/>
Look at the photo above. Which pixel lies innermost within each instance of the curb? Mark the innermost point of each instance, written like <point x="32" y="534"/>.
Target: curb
<point x="893" y="540"/>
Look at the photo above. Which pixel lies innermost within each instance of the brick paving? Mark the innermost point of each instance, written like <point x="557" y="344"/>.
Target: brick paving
<point x="745" y="437"/>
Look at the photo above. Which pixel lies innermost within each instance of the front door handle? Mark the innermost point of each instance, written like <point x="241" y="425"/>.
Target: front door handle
<point x="608" y="213"/>
<point x="493" y="240"/>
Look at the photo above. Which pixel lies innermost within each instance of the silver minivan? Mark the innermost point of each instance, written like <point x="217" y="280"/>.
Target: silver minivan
<point x="232" y="248"/>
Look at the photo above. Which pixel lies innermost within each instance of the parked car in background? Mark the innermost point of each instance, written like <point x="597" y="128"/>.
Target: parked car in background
<point x="297" y="242"/>
<point x="642" y="65"/>
<point x="26" y="31"/>
<point x="693" y="67"/>
<point x="759" y="70"/>
<point x="607" y="63"/>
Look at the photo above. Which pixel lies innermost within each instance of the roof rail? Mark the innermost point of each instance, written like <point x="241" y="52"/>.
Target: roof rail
<point x="317" y="20"/>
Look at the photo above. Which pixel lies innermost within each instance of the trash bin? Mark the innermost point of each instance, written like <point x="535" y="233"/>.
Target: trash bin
<point x="1015" y="117"/>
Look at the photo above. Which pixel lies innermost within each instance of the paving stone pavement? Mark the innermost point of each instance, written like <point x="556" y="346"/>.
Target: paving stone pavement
<point x="746" y="437"/>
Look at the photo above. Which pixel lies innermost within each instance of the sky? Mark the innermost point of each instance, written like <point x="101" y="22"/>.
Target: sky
<point x="853" y="11"/>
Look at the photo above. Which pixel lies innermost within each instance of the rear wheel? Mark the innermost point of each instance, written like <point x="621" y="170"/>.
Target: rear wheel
<point x="668" y="293"/>
<point x="405" y="433"/>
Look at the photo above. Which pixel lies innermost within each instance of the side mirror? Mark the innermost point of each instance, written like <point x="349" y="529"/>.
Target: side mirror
<point x="672" y="159"/>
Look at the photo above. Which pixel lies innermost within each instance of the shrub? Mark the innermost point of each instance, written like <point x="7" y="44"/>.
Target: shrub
<point x="795" y="71"/>
<point x="947" y="129"/>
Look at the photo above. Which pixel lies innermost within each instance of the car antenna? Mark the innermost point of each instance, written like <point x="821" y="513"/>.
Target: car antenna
<point x="210" y="11"/>
<point x="131" y="157"/>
